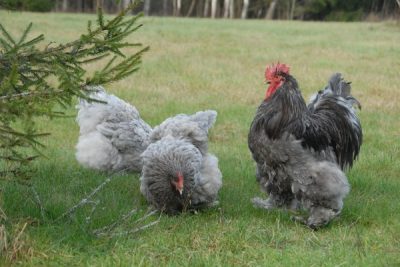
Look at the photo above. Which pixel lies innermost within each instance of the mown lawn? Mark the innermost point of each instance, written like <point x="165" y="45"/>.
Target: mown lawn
<point x="197" y="64"/>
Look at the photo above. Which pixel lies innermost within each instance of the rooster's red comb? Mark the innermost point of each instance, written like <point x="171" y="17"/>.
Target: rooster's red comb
<point x="273" y="70"/>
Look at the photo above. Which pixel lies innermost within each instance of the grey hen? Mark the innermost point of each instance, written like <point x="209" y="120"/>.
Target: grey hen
<point x="178" y="174"/>
<point x="192" y="128"/>
<point x="112" y="134"/>
<point x="301" y="151"/>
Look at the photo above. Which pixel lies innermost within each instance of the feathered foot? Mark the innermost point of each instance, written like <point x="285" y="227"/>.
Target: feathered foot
<point x="195" y="208"/>
<point x="214" y="204"/>
<point x="263" y="203"/>
<point x="319" y="217"/>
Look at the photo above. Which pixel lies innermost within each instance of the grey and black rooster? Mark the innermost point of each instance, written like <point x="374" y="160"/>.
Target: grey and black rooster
<point x="301" y="151"/>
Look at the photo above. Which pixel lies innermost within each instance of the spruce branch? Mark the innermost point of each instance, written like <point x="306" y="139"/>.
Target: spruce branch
<point x="34" y="80"/>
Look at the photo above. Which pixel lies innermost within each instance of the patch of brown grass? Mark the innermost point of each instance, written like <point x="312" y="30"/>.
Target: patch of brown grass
<point x="14" y="244"/>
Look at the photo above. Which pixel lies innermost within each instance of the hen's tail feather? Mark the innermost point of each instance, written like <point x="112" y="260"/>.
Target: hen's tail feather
<point x="205" y="119"/>
<point x="112" y="134"/>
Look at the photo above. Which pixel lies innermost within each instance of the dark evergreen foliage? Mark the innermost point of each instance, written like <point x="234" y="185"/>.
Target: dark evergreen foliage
<point x="31" y="5"/>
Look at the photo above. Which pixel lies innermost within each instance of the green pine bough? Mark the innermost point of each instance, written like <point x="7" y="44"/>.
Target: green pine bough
<point x="33" y="81"/>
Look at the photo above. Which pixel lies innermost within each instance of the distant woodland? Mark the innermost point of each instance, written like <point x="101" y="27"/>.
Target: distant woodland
<point x="341" y="10"/>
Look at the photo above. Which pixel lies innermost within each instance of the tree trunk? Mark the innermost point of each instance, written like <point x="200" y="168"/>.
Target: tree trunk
<point x="165" y="7"/>
<point x="146" y="7"/>
<point x="386" y="9"/>
<point x="206" y="8"/>
<point x="105" y="6"/>
<point x="65" y="5"/>
<point x="245" y="8"/>
<point x="292" y="8"/>
<point x="79" y="5"/>
<point x="271" y="10"/>
<point x="99" y="4"/>
<point x="213" y="8"/>
<point x="226" y="8"/>
<point x="178" y="7"/>
<point x="191" y="8"/>
<point x="232" y="9"/>
<point x="125" y="3"/>
<point x="199" y="9"/>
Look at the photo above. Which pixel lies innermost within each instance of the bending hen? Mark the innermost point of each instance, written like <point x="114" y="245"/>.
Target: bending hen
<point x="178" y="174"/>
<point x="112" y="134"/>
<point x="301" y="151"/>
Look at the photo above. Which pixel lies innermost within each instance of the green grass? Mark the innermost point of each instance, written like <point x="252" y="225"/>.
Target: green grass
<point x="197" y="64"/>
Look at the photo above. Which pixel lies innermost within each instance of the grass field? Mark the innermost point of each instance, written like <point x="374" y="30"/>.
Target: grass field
<point x="197" y="64"/>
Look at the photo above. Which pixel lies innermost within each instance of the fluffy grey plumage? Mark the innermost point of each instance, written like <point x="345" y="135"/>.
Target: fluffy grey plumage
<point x="192" y="128"/>
<point x="298" y="178"/>
<point x="301" y="151"/>
<point x="112" y="134"/>
<point x="180" y="150"/>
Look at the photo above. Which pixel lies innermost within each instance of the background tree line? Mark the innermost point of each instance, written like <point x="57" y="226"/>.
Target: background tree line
<point x="343" y="10"/>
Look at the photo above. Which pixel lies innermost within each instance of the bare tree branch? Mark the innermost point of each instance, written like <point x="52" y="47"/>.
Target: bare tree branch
<point x="89" y="217"/>
<point x="110" y="227"/>
<point x="106" y="231"/>
<point x="39" y="203"/>
<point x="137" y="229"/>
<point x="86" y="200"/>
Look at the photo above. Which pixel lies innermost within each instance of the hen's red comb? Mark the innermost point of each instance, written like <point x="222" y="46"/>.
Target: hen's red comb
<point x="274" y="70"/>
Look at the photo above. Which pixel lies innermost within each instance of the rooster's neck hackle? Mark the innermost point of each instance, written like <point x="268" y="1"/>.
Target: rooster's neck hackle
<point x="287" y="95"/>
<point x="284" y="107"/>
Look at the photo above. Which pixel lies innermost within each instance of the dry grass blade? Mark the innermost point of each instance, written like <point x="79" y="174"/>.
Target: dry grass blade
<point x="18" y="243"/>
<point x="3" y="239"/>
<point x="14" y="247"/>
<point x="3" y="215"/>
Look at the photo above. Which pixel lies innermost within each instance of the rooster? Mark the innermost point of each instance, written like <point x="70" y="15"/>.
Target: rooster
<point x="178" y="172"/>
<point x="112" y="134"/>
<point x="301" y="151"/>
